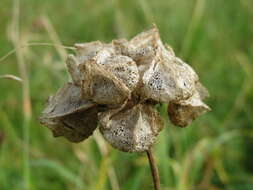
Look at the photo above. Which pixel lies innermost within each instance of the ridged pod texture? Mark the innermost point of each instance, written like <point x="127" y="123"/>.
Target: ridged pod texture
<point x="117" y="86"/>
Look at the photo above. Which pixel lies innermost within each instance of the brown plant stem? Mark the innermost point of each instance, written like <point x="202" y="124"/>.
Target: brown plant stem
<point x="154" y="169"/>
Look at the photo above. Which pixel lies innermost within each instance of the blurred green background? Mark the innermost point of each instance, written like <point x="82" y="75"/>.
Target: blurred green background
<point x="214" y="36"/>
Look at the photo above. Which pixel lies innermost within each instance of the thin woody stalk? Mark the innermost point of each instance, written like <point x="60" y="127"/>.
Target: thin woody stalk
<point x="117" y="85"/>
<point x="154" y="169"/>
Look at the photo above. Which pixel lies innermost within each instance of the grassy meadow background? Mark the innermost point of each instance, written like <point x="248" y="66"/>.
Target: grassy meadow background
<point x="214" y="36"/>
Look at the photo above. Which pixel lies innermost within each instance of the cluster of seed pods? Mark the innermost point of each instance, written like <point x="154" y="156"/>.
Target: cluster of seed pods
<point x="116" y="86"/>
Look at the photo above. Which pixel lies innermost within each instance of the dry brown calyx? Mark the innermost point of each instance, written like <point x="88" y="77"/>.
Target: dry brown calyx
<point x="113" y="84"/>
<point x="67" y="114"/>
<point x="183" y="112"/>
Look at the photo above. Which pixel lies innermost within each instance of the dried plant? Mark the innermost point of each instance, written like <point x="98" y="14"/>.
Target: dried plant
<point x="117" y="85"/>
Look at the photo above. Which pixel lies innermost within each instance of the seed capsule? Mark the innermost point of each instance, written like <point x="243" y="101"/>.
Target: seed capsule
<point x="167" y="81"/>
<point x="133" y="129"/>
<point x="183" y="112"/>
<point x="68" y="115"/>
<point x="118" y="84"/>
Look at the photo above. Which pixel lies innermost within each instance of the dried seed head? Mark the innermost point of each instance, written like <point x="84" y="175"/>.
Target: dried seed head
<point x="68" y="115"/>
<point x="131" y="130"/>
<point x="123" y="78"/>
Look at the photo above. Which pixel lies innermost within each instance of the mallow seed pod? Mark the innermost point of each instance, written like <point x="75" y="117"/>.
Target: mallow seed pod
<point x="117" y="85"/>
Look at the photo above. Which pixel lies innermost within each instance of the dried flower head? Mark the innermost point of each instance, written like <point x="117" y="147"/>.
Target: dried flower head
<point x="117" y="85"/>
